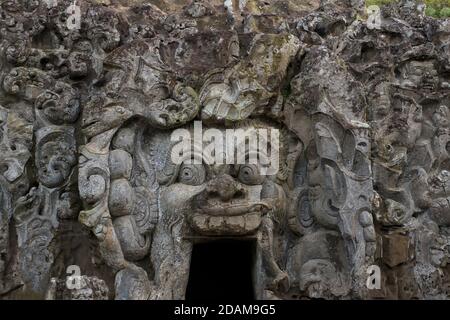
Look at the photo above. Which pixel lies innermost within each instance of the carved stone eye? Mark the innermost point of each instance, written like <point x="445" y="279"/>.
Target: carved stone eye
<point x="389" y="148"/>
<point x="192" y="174"/>
<point x="249" y="174"/>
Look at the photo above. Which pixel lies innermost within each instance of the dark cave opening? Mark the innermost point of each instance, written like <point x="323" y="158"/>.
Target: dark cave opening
<point x="222" y="270"/>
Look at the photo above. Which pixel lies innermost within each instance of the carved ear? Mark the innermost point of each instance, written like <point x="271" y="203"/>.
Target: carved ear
<point x="328" y="146"/>
<point x="298" y="176"/>
<point x="299" y="212"/>
<point x="335" y="184"/>
<point x="152" y="155"/>
<point x="151" y="152"/>
<point x="294" y="160"/>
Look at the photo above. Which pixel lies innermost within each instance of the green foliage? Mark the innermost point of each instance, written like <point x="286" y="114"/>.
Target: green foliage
<point x="435" y="8"/>
<point x="431" y="12"/>
<point x="437" y="4"/>
<point x="445" y="12"/>
<point x="378" y="2"/>
<point x="438" y="8"/>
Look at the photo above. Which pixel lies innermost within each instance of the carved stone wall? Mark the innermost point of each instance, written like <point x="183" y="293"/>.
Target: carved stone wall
<point x="87" y="114"/>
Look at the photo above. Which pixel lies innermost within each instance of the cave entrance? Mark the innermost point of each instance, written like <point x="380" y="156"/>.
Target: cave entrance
<point x="222" y="270"/>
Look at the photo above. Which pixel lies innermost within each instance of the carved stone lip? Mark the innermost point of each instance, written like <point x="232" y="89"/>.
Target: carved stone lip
<point x="232" y="209"/>
<point x="226" y="225"/>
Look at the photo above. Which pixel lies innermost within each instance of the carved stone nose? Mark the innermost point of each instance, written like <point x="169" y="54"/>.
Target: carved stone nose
<point x="224" y="187"/>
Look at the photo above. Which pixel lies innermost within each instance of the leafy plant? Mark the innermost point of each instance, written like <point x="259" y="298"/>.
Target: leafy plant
<point x="378" y="2"/>
<point x="435" y="8"/>
<point x="445" y="12"/>
<point x="430" y="11"/>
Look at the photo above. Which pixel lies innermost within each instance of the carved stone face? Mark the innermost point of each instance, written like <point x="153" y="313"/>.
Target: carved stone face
<point x="222" y="199"/>
<point x="441" y="116"/>
<point x="418" y="74"/>
<point x="54" y="160"/>
<point x="181" y="109"/>
<point x="319" y="277"/>
<point x="381" y="101"/>
<point x="321" y="200"/>
<point x="439" y="184"/>
<point x="58" y="109"/>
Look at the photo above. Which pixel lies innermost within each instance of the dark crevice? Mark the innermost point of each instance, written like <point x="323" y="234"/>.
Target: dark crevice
<point x="221" y="270"/>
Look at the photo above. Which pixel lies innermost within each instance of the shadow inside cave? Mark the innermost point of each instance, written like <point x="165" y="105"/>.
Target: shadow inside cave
<point x="222" y="270"/>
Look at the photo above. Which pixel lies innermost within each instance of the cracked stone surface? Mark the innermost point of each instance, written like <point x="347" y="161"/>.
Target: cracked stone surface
<point x="87" y="114"/>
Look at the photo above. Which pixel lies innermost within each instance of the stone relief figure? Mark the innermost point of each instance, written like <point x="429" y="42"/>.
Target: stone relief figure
<point x="407" y="98"/>
<point x="16" y="139"/>
<point x="235" y="93"/>
<point x="321" y="269"/>
<point x="322" y="212"/>
<point x="122" y="207"/>
<point x="122" y="216"/>
<point x="200" y="201"/>
<point x="87" y="120"/>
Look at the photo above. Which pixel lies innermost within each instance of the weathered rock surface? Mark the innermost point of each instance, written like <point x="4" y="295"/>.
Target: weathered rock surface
<point x="86" y="117"/>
